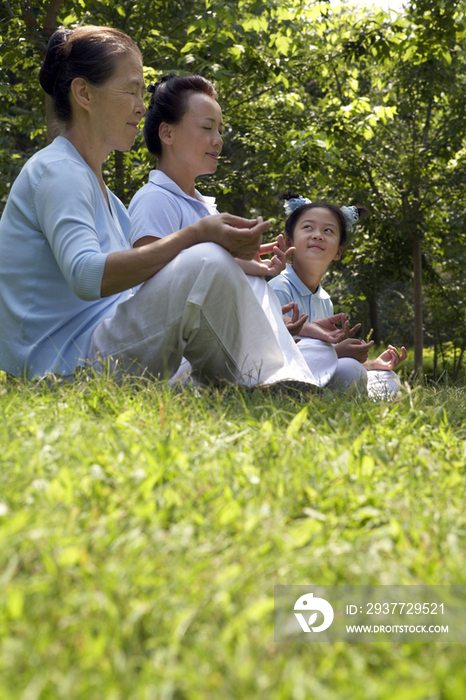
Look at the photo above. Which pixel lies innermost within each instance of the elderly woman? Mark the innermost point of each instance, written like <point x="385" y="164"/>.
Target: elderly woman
<point x="73" y="291"/>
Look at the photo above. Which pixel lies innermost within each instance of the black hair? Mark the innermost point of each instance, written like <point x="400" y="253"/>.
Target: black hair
<point x="292" y="219"/>
<point x="169" y="103"/>
<point x="87" y="52"/>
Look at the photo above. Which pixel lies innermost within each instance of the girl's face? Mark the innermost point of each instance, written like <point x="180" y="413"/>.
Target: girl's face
<point x="316" y="237"/>
<point x="196" y="142"/>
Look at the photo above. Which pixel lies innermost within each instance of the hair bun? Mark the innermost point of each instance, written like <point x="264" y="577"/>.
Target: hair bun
<point x="155" y="87"/>
<point x="54" y="59"/>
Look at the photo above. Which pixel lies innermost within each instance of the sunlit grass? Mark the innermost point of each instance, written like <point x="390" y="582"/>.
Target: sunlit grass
<point x="142" y="531"/>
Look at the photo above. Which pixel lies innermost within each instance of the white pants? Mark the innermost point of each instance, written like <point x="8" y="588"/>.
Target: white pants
<point x="201" y="306"/>
<point x="382" y="384"/>
<point x="321" y="357"/>
<point x="294" y="365"/>
<point x="379" y="384"/>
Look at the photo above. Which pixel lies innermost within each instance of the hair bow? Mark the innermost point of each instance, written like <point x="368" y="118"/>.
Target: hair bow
<point x="292" y="204"/>
<point x="351" y="215"/>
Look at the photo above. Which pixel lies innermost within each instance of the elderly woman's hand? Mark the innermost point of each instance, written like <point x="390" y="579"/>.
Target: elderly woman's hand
<point x="241" y="237"/>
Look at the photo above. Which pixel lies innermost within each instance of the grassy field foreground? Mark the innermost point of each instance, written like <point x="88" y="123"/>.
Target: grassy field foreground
<point x="142" y="532"/>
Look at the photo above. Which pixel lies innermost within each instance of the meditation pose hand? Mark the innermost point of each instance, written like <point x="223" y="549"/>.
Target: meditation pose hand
<point x="295" y="322"/>
<point x="241" y="237"/>
<point x="269" y="266"/>
<point x="389" y="359"/>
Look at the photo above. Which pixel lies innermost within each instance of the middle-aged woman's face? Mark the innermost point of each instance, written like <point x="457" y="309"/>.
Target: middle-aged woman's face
<point x="197" y="140"/>
<point x="118" y="103"/>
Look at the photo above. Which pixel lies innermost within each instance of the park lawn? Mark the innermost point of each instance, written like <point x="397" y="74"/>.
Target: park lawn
<point x="142" y="532"/>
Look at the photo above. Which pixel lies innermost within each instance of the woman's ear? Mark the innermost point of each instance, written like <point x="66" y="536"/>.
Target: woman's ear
<point x="165" y="133"/>
<point x="339" y="253"/>
<point x="81" y="92"/>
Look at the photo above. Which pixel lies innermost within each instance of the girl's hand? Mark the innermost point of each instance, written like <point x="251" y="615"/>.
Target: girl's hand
<point x="295" y="322"/>
<point x="355" y="348"/>
<point x="389" y="359"/>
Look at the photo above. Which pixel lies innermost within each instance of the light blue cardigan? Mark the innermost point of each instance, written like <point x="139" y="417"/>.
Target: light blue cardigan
<point x="55" y="234"/>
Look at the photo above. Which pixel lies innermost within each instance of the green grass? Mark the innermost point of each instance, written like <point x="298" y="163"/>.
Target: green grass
<point x="142" y="532"/>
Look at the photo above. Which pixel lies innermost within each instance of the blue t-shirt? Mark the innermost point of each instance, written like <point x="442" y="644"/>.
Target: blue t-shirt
<point x="288" y="287"/>
<point x="55" y="234"/>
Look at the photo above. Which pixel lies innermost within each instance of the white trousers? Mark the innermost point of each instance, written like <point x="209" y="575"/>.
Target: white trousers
<point x="295" y="366"/>
<point x="201" y="306"/>
<point x="379" y="384"/>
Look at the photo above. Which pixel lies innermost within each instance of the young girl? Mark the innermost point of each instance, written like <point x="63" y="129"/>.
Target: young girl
<point x="318" y="233"/>
<point x="183" y="129"/>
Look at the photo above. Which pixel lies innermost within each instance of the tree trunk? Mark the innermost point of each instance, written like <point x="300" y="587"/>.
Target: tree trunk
<point x="417" y="260"/>
<point x="50" y="22"/>
<point x="374" y="319"/>
<point x="460" y="361"/>
<point x="418" y="323"/>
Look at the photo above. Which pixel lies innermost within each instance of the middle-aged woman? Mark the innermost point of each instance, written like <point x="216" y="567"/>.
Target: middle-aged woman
<point x="66" y="268"/>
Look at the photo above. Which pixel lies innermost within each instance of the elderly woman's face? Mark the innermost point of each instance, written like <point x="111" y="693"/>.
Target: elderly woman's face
<point x="196" y="141"/>
<point x="118" y="104"/>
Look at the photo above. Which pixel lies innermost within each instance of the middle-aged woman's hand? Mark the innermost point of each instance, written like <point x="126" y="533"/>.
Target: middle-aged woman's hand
<point x="241" y="237"/>
<point x="268" y="267"/>
<point x="277" y="263"/>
